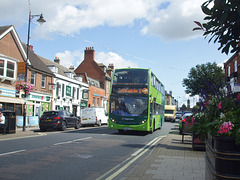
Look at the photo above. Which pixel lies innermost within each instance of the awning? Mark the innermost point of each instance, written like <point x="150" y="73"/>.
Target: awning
<point x="11" y="100"/>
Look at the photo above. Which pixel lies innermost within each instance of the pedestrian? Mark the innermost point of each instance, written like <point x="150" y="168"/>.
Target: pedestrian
<point x="1" y="109"/>
<point x="2" y="123"/>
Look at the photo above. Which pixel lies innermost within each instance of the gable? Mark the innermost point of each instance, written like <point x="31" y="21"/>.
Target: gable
<point x="10" y="44"/>
<point x="92" y="69"/>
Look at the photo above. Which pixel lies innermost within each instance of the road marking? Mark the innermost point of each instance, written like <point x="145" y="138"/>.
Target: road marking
<point x="68" y="142"/>
<point x="13" y="152"/>
<point x="146" y="146"/>
<point x="82" y="139"/>
<point x="131" y="160"/>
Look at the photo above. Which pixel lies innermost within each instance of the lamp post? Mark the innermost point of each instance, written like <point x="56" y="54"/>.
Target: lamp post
<point x="41" y="21"/>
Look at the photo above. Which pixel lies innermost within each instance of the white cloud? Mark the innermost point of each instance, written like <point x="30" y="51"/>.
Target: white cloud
<point x="113" y="58"/>
<point x="172" y="22"/>
<point x="68" y="58"/>
<point x="176" y="21"/>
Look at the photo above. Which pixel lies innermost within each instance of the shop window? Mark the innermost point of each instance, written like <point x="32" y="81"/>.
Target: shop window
<point x="10" y="106"/>
<point x="18" y="109"/>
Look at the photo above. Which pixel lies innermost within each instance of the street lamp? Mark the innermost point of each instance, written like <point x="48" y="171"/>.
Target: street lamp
<point x="41" y="21"/>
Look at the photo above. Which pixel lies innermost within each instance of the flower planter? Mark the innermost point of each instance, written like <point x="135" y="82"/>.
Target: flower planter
<point x="222" y="158"/>
<point x="200" y="146"/>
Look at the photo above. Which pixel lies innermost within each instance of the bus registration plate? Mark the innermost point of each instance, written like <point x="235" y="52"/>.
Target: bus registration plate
<point x="127" y="128"/>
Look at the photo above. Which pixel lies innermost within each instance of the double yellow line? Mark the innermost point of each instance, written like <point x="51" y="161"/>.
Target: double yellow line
<point x="125" y="164"/>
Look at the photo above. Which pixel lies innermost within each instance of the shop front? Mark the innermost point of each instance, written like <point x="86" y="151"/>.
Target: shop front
<point x="37" y="104"/>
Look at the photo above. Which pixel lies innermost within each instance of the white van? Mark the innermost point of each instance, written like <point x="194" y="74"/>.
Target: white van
<point x="94" y="115"/>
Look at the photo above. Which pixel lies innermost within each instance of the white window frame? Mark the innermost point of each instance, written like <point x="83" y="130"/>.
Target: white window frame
<point x="228" y="71"/>
<point x="5" y="60"/>
<point x="235" y="66"/>
<point x="33" y="77"/>
<point x="44" y="80"/>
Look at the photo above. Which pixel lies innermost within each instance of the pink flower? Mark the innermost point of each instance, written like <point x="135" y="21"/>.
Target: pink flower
<point x="197" y="141"/>
<point x="225" y="127"/>
<point x="219" y="106"/>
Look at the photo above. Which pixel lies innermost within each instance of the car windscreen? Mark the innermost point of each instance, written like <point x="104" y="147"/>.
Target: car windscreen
<point x="50" y="114"/>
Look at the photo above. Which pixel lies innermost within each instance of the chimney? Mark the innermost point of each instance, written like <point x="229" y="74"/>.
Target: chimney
<point x="71" y="67"/>
<point x="57" y="60"/>
<point x="89" y="54"/>
<point x="31" y="47"/>
<point x="111" y="66"/>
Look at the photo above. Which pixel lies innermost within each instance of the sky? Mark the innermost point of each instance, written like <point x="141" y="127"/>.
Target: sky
<point x="154" y="34"/>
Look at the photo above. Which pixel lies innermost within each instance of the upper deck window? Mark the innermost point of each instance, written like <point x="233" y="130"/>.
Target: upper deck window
<point x="134" y="76"/>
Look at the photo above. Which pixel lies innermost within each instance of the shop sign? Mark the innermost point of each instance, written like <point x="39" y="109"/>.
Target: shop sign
<point x="40" y="98"/>
<point x="68" y="90"/>
<point x="37" y="97"/>
<point x="7" y="92"/>
<point x="83" y="104"/>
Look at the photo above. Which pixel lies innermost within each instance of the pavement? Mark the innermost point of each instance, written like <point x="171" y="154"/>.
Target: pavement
<point x="170" y="159"/>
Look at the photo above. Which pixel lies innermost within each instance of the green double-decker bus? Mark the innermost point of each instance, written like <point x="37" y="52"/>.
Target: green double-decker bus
<point x="137" y="100"/>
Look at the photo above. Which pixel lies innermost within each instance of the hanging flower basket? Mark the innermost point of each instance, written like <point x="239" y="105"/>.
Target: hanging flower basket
<point x="25" y="86"/>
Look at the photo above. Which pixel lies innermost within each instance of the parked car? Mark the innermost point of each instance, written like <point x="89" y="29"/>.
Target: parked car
<point x="184" y="117"/>
<point x="94" y="116"/>
<point x="179" y="115"/>
<point x="60" y="120"/>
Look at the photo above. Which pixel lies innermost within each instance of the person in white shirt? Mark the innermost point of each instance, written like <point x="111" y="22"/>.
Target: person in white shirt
<point x="2" y="118"/>
<point x="2" y="122"/>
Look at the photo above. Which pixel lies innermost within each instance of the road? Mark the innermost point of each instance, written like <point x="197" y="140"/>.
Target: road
<point x="87" y="153"/>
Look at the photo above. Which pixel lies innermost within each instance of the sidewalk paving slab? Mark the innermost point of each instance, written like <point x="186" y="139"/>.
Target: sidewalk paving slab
<point x="170" y="160"/>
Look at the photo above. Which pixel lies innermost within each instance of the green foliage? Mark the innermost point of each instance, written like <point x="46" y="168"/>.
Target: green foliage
<point x="222" y="23"/>
<point x="201" y="76"/>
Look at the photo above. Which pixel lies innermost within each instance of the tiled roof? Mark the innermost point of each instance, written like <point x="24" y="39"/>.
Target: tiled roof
<point x="61" y="69"/>
<point x="36" y="62"/>
<point x="4" y="28"/>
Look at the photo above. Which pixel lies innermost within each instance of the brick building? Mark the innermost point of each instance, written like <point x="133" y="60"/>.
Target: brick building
<point x="12" y="69"/>
<point x="232" y="72"/>
<point x="98" y="76"/>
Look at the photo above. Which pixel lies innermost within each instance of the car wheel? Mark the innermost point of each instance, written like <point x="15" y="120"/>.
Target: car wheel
<point x="78" y="125"/>
<point x="120" y="131"/>
<point x="42" y="129"/>
<point x="64" y="126"/>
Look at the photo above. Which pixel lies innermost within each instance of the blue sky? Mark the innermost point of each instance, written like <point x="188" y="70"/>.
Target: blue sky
<point x="154" y="34"/>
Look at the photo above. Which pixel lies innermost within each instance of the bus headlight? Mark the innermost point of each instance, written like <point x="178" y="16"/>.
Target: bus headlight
<point x="113" y="120"/>
<point x="144" y="121"/>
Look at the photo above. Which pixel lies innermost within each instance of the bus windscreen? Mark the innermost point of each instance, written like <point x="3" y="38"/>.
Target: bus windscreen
<point x="135" y="76"/>
<point x="129" y="106"/>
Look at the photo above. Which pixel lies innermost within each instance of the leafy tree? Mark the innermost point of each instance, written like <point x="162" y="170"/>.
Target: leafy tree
<point x="184" y="107"/>
<point x="223" y="23"/>
<point x="204" y="80"/>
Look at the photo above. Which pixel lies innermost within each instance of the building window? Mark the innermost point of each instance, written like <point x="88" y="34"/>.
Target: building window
<point x="1" y="67"/>
<point x="229" y="71"/>
<point x="33" y="77"/>
<point x="93" y="101"/>
<point x="62" y="90"/>
<point x="235" y="66"/>
<point x="43" y="81"/>
<point x="8" y="68"/>
<point x="108" y="86"/>
<point x="97" y="101"/>
<point x="85" y="94"/>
